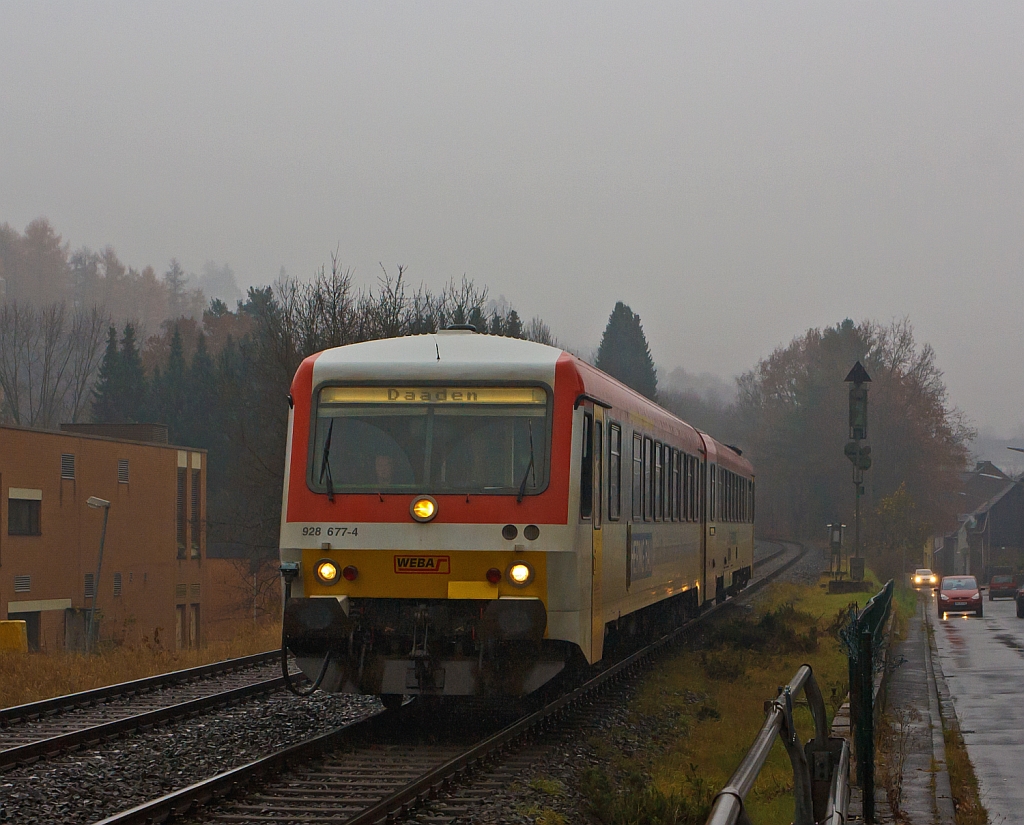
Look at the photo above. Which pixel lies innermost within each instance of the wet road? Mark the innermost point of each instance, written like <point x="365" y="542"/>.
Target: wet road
<point x="983" y="661"/>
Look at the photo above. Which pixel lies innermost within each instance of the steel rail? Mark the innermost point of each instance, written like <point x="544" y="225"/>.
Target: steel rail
<point x="94" y="734"/>
<point x="48" y="707"/>
<point x="184" y="800"/>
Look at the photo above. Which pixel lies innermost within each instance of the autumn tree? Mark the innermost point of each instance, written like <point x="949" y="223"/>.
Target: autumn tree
<point x="792" y="412"/>
<point x="624" y="353"/>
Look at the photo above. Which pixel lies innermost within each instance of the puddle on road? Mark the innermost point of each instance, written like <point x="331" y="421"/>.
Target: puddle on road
<point x="1011" y="642"/>
<point x="957" y="643"/>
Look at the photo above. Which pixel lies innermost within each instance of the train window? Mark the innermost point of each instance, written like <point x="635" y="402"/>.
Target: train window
<point x="491" y="440"/>
<point x="673" y="477"/>
<point x="677" y="460"/>
<point x="753" y="501"/>
<point x="713" y="513"/>
<point x="598" y="474"/>
<point x="648" y="479"/>
<point x="614" y="470"/>
<point x="658" y="498"/>
<point x="692" y="481"/>
<point x="638" y="477"/>
<point x="687" y="487"/>
<point x="587" y="467"/>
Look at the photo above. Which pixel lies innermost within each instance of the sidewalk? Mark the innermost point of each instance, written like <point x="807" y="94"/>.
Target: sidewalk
<point x="914" y="704"/>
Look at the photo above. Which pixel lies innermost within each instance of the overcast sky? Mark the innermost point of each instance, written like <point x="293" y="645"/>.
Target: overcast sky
<point x="736" y="172"/>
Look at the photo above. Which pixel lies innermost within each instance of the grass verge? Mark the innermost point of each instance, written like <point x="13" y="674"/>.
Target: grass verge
<point x="701" y="709"/>
<point x="34" y="676"/>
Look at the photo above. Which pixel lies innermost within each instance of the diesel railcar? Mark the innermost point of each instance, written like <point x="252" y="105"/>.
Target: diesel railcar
<point x="464" y="514"/>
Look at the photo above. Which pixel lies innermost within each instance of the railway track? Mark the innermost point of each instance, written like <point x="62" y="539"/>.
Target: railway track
<point x="42" y="729"/>
<point x="386" y="764"/>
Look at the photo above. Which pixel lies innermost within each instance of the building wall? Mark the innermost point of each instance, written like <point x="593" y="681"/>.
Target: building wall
<point x="161" y="582"/>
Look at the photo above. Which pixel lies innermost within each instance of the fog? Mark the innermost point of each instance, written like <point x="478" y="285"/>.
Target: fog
<point x="736" y="172"/>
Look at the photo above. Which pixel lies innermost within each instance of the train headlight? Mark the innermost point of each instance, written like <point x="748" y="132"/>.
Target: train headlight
<point x="327" y="571"/>
<point x="520" y="573"/>
<point x="424" y="508"/>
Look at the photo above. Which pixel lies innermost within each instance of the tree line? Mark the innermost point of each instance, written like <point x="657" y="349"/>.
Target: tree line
<point x="218" y="378"/>
<point x="221" y="383"/>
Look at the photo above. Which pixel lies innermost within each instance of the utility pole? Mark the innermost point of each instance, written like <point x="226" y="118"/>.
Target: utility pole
<point x="859" y="455"/>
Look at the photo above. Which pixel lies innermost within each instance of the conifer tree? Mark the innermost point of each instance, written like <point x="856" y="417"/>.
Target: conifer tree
<point x="624" y="353"/>
<point x="169" y="389"/>
<point x="513" y="325"/>
<point x="200" y="397"/>
<point x="132" y="386"/>
<point x="104" y="402"/>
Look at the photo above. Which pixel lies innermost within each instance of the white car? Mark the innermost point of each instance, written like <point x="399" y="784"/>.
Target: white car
<point x="923" y="577"/>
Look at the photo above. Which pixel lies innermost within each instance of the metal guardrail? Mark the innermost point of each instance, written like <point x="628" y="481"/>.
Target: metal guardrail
<point x="820" y="767"/>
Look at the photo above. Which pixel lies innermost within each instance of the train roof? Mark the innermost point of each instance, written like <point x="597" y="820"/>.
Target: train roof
<point x="444" y="355"/>
<point x="465" y="355"/>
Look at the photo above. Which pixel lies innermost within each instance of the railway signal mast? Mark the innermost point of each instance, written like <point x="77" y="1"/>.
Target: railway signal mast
<point x="859" y="455"/>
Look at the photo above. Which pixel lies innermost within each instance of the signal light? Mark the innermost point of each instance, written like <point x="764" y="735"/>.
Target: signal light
<point x="494" y="575"/>
<point x="350" y="573"/>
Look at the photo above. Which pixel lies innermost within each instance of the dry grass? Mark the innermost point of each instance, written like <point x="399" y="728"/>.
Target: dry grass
<point x="962" y="781"/>
<point x="34" y="676"/>
<point x="706" y="703"/>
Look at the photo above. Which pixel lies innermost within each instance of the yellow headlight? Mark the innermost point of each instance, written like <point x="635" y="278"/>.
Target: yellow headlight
<point x="520" y="573"/>
<point x="327" y="572"/>
<point x="424" y="508"/>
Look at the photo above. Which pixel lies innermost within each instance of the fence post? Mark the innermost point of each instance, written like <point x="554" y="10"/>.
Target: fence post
<point x="865" y="723"/>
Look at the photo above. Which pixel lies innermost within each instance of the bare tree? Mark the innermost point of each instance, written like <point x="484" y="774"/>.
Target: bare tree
<point x="48" y="359"/>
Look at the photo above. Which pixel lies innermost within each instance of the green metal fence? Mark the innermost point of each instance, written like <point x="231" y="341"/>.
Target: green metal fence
<point x="864" y="641"/>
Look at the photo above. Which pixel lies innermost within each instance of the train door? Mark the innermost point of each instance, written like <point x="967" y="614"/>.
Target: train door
<point x="591" y="516"/>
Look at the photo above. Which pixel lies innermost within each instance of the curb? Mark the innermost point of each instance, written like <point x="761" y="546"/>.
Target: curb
<point x="940" y="707"/>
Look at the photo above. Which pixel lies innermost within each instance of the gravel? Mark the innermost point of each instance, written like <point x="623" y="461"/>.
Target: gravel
<point x="546" y="788"/>
<point x="88" y="785"/>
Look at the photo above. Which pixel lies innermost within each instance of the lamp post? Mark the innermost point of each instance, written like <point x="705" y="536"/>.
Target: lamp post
<point x="96" y="503"/>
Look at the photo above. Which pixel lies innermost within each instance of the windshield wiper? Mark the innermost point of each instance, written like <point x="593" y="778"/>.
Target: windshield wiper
<point x="529" y="467"/>
<point x="325" y="464"/>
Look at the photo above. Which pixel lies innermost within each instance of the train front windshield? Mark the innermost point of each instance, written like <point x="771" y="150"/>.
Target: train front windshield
<point x="484" y="440"/>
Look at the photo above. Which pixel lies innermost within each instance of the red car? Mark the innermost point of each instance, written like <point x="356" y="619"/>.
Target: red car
<point x="1001" y="586"/>
<point x="959" y="594"/>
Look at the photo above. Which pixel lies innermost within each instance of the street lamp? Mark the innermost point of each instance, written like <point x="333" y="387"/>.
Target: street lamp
<point x="96" y="503"/>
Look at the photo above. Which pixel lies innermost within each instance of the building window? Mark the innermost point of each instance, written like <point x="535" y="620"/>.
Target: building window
<point x="122" y="471"/>
<point x="193" y="591"/>
<point x="196" y="514"/>
<point x="180" y="592"/>
<point x="117" y="584"/>
<point x="67" y="466"/>
<point x="614" y="470"/>
<point x="23" y="517"/>
<point x="181" y="521"/>
<point x="22" y="584"/>
<point x="90" y="586"/>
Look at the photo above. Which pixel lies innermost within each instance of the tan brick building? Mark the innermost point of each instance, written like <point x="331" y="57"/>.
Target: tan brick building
<point x="151" y="583"/>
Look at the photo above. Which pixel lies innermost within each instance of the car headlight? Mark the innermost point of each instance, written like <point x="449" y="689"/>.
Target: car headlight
<point x="944" y="597"/>
<point x="917" y="579"/>
<point x="976" y="596"/>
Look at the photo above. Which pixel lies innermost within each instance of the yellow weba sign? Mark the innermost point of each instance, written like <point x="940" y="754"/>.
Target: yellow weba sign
<point x="432" y="395"/>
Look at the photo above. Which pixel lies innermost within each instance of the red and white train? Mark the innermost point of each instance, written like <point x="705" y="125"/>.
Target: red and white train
<point x="464" y="514"/>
